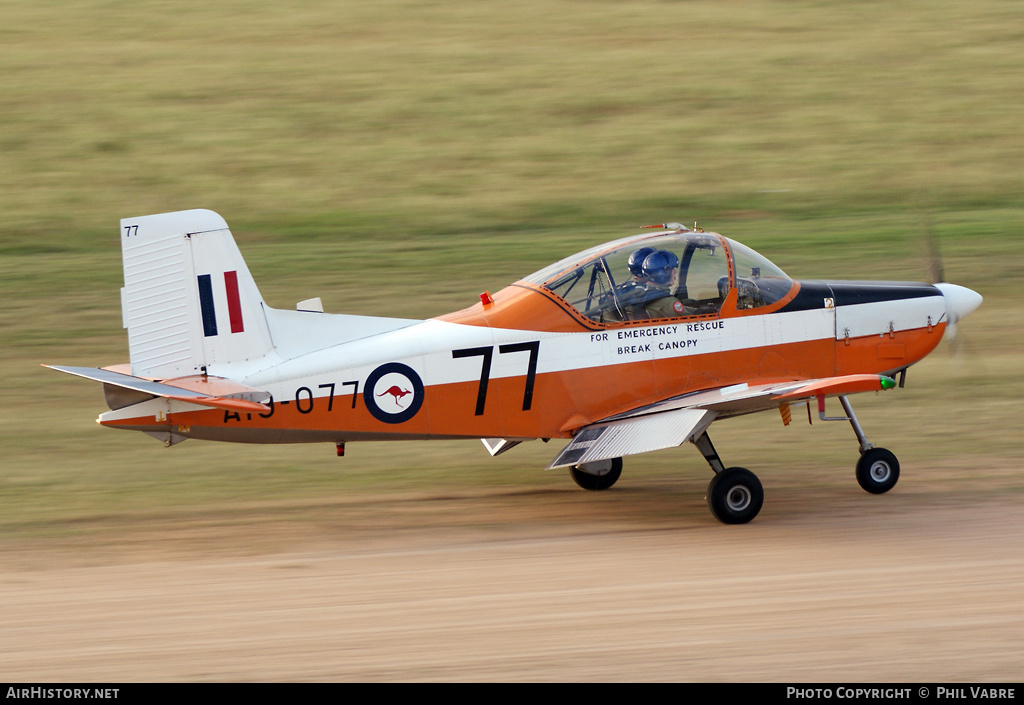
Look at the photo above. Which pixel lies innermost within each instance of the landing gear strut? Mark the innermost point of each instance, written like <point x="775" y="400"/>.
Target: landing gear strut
<point x="735" y="495"/>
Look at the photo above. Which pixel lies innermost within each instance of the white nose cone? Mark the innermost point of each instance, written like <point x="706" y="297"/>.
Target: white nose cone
<point x="960" y="302"/>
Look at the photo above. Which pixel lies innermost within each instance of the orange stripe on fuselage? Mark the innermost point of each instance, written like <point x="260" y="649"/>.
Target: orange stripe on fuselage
<point x="881" y="353"/>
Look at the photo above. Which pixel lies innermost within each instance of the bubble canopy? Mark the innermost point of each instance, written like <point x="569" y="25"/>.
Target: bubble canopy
<point x="673" y="275"/>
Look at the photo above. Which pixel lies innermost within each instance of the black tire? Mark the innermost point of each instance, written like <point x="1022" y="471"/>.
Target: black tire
<point x="598" y="476"/>
<point x="878" y="470"/>
<point x="735" y="496"/>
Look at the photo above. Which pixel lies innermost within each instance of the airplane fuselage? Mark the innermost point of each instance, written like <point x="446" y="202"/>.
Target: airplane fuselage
<point x="481" y="372"/>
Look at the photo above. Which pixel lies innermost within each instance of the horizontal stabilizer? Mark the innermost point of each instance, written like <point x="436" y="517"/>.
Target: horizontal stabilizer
<point x="214" y="392"/>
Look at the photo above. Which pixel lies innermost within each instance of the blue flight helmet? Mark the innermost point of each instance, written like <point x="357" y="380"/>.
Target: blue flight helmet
<point x="658" y="267"/>
<point x="636" y="260"/>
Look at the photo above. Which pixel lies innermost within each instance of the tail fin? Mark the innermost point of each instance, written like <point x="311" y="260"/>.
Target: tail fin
<point x="188" y="300"/>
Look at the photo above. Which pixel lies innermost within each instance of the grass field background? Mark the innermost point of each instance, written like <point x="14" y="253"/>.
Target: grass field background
<point x="397" y="158"/>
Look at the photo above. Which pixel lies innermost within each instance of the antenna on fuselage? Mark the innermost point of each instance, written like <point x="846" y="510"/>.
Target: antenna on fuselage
<point x="677" y="227"/>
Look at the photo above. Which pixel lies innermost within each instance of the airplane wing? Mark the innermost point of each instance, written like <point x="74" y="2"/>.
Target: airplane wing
<point x="215" y="392"/>
<point x="674" y="421"/>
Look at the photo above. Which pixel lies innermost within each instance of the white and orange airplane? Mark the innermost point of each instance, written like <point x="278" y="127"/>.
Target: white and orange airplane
<point x="631" y="346"/>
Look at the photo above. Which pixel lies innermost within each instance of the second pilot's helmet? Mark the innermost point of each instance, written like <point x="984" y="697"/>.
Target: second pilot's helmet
<point x="636" y="260"/>
<point x="658" y="267"/>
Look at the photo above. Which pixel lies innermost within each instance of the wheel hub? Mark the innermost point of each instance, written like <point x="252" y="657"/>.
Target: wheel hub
<point x="599" y="468"/>
<point x="880" y="471"/>
<point x="738" y="498"/>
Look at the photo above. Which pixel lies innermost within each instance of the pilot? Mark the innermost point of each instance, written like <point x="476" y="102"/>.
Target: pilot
<point x="636" y="262"/>
<point x="631" y="293"/>
<point x="659" y="270"/>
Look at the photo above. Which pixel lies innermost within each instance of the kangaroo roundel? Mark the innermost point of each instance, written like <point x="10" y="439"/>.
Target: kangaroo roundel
<point x="393" y="393"/>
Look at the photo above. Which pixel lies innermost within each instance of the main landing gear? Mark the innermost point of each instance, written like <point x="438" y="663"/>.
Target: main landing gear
<point x="599" y="475"/>
<point x="735" y="495"/>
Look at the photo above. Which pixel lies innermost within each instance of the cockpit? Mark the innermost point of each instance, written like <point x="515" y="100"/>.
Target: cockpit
<point x="663" y="276"/>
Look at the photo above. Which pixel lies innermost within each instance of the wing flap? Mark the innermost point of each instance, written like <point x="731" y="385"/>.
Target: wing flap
<point x="629" y="436"/>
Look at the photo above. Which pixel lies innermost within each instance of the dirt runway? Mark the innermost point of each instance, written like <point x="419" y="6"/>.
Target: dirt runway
<point x="532" y="586"/>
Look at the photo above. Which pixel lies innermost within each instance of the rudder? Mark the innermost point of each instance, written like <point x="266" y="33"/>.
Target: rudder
<point x="189" y="302"/>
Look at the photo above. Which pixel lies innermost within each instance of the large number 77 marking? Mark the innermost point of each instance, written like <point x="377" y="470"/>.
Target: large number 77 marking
<point x="485" y="369"/>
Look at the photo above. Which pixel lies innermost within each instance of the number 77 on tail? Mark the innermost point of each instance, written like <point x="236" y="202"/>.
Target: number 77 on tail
<point x="631" y="346"/>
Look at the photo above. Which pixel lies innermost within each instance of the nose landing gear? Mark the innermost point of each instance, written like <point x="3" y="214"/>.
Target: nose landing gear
<point x="878" y="470"/>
